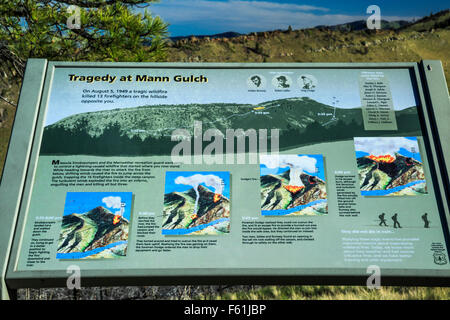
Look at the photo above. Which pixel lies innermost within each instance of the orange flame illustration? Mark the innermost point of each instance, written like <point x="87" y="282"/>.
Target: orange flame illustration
<point x="387" y="158"/>
<point x="216" y="197"/>
<point x="116" y="219"/>
<point x="194" y="216"/>
<point x="293" y="189"/>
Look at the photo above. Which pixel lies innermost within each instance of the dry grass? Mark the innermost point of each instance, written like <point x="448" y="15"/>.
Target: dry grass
<point x="314" y="45"/>
<point x="238" y="293"/>
<point x="336" y="293"/>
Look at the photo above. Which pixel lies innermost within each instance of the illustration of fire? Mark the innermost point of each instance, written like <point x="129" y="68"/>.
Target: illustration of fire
<point x="296" y="170"/>
<point x="116" y="219"/>
<point x="294" y="189"/>
<point x="119" y="214"/>
<point x="297" y="164"/>
<point x="387" y="158"/>
<point x="216" y="197"/>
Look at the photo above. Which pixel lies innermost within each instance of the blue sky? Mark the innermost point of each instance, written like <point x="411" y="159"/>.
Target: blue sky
<point x="198" y="17"/>
<point x="319" y="165"/>
<point x="171" y="186"/>
<point x="82" y="202"/>
<point x="402" y="151"/>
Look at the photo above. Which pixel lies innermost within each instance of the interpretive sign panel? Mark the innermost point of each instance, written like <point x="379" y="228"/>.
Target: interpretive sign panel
<point x="222" y="172"/>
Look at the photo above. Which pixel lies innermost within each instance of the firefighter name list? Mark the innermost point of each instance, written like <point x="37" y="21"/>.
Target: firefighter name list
<point x="376" y="101"/>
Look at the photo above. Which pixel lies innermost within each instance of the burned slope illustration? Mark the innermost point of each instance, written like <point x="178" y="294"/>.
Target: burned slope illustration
<point x="197" y="210"/>
<point x="390" y="167"/>
<point x="278" y="195"/>
<point x="299" y="190"/>
<point x="397" y="174"/>
<point x="94" y="234"/>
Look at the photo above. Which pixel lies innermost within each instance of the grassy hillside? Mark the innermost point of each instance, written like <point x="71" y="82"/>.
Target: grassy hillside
<point x="428" y="23"/>
<point x="429" y="38"/>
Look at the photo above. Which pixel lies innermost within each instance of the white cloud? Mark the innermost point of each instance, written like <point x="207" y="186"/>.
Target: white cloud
<point x="385" y="146"/>
<point x="195" y="180"/>
<point x="209" y="179"/>
<point x="112" y="202"/>
<point x="247" y="16"/>
<point x="296" y="164"/>
<point x="288" y="160"/>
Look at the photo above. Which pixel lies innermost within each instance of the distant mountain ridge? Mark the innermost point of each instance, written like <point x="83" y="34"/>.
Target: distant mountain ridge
<point x="440" y="19"/>
<point x="362" y="24"/>
<point x="229" y="34"/>
<point x="349" y="26"/>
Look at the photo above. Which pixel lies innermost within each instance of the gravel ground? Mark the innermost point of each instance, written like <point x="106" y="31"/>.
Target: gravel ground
<point x="129" y="293"/>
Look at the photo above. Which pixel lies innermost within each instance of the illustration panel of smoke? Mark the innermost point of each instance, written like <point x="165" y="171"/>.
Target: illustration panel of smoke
<point x="195" y="180"/>
<point x="113" y="203"/>
<point x="295" y="163"/>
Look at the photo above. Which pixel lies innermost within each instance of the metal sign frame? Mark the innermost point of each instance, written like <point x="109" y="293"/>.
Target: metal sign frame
<point x="17" y="181"/>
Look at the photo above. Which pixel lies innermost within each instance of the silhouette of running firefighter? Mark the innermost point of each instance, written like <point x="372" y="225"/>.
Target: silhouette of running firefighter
<point x="396" y="223"/>
<point x="425" y="220"/>
<point x="382" y="220"/>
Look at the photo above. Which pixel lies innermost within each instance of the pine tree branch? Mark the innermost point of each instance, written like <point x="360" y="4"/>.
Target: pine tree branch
<point x="9" y="59"/>
<point x="100" y="3"/>
<point x="7" y="101"/>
